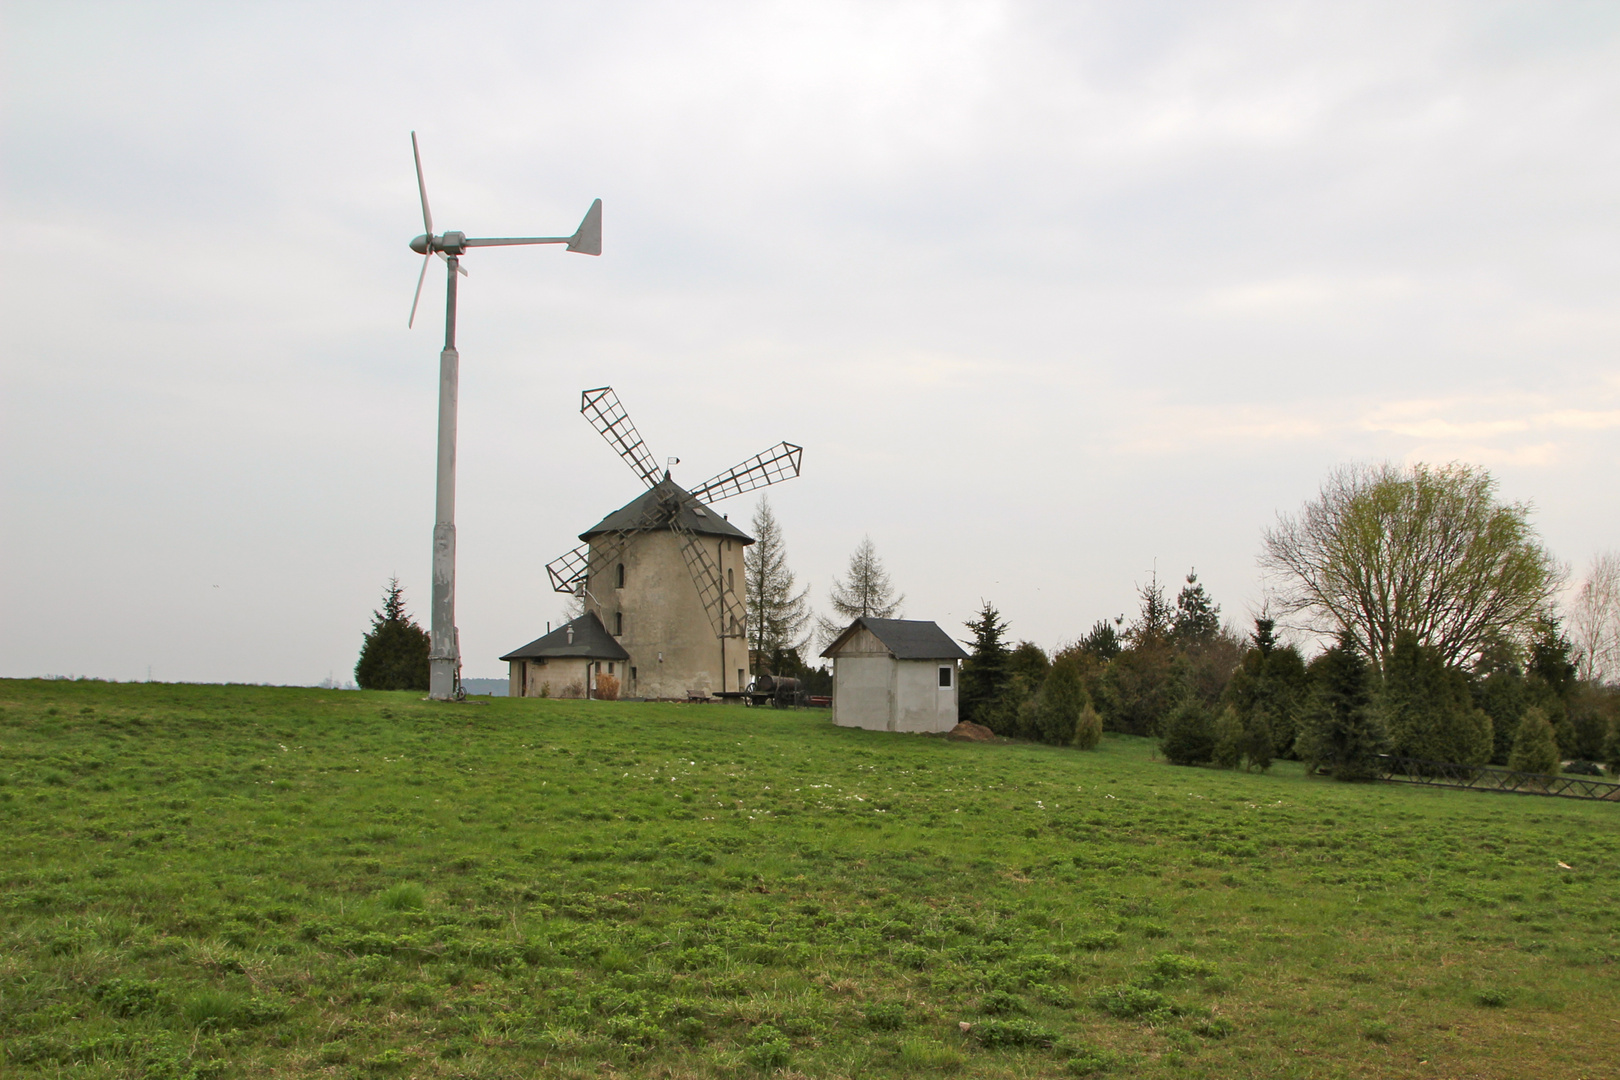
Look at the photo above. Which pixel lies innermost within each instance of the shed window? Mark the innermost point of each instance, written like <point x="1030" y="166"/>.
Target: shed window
<point x="944" y="676"/>
<point x="620" y="577"/>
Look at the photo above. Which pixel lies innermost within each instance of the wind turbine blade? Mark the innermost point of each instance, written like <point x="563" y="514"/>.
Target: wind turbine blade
<point x="587" y="239"/>
<point x="780" y="462"/>
<point x="418" y="297"/>
<point x="421" y="186"/>
<point x="462" y="270"/>
<point x="601" y="407"/>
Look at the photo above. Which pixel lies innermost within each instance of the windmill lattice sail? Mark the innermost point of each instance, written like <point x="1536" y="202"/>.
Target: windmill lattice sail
<point x="601" y="407"/>
<point x="780" y="462"/>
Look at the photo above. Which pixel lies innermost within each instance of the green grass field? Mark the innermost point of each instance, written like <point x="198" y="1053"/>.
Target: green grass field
<point x="233" y="881"/>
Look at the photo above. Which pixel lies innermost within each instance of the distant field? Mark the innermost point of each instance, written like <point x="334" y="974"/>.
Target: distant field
<point x="233" y="881"/>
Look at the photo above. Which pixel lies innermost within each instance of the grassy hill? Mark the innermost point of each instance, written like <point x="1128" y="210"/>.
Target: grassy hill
<point x="225" y="881"/>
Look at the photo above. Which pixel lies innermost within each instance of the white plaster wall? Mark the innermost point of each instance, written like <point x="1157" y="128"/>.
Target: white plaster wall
<point x="664" y="616"/>
<point x="863" y="692"/>
<point x="921" y="704"/>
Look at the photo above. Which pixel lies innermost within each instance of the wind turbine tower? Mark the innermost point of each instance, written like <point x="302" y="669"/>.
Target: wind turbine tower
<point x="444" y="651"/>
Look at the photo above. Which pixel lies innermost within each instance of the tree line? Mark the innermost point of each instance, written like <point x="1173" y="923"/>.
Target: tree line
<point x="1446" y="645"/>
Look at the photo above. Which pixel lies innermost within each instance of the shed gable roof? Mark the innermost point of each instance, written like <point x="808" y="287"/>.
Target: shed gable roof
<point x="906" y="639"/>
<point x="591" y="641"/>
<point x="693" y="515"/>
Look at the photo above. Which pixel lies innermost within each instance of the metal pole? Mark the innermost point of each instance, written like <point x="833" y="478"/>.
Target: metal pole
<point x="444" y="659"/>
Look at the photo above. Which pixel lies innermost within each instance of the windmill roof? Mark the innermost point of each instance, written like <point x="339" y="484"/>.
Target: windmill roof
<point x="694" y="516"/>
<point x="591" y="641"/>
<point x="906" y="639"/>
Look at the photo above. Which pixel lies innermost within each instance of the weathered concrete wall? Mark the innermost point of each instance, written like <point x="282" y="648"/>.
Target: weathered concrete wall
<point x="672" y="645"/>
<point x="921" y="704"/>
<point x="525" y="678"/>
<point x="873" y="691"/>
<point x="862" y="689"/>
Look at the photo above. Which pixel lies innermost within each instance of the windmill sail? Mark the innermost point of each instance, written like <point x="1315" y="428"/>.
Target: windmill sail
<point x="601" y="407"/>
<point x="780" y="462"/>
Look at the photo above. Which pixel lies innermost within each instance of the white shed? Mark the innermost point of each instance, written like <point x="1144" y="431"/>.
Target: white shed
<point x="895" y="675"/>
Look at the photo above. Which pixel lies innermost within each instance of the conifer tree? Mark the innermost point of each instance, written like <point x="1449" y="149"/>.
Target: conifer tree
<point x="1611" y="749"/>
<point x="1197" y="618"/>
<point x="1228" y="753"/>
<point x="1189" y="734"/>
<point x="1258" y="748"/>
<point x="1059" y="703"/>
<point x="864" y="592"/>
<point x="1340" y="731"/>
<point x="985" y="675"/>
<point x="1088" y="728"/>
<point x="1102" y="641"/>
<point x="394" y="654"/>
<point x="777" y="614"/>
<point x="1428" y="709"/>
<point x="1535" y="750"/>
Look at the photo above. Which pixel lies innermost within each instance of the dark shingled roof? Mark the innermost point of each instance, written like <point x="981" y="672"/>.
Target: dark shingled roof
<point x="591" y="641"/>
<point x="694" y="515"/>
<point x="906" y="639"/>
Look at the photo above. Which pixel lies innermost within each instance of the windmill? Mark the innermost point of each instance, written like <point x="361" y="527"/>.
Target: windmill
<point x="444" y="653"/>
<point x="633" y="568"/>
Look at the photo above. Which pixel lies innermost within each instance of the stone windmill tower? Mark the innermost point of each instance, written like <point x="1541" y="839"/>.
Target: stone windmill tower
<point x="664" y="572"/>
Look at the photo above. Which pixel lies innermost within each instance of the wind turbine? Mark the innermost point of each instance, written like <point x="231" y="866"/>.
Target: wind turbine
<point x="444" y="652"/>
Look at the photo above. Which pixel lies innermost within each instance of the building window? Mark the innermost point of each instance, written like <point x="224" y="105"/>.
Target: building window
<point x="610" y="667"/>
<point x="620" y="585"/>
<point x="632" y="680"/>
<point x="618" y="624"/>
<point x="599" y="667"/>
<point x="944" y="676"/>
<point x="741" y="678"/>
<point x="731" y="580"/>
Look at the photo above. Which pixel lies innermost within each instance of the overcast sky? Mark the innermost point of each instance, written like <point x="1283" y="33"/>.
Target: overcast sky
<point x="1051" y="295"/>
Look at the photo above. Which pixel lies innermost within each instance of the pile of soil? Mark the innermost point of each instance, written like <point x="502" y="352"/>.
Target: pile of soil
<point x="972" y="732"/>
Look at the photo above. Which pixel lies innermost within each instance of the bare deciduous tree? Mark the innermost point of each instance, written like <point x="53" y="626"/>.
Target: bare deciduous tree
<point x="776" y="614"/>
<point x="865" y="591"/>
<point x="1385" y="549"/>
<point x="1594" y="621"/>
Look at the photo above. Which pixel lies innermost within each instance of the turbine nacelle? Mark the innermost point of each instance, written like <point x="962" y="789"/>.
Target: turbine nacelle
<point x="450" y="243"/>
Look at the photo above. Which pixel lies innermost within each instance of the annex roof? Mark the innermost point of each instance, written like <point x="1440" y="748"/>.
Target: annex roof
<point x="693" y="515"/>
<point x="590" y="640"/>
<point x="906" y="639"/>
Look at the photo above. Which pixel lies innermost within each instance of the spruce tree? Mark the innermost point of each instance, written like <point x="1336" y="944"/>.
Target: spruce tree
<point x="1535" y="750"/>
<point x="394" y="655"/>
<point x="1340" y="732"/>
<point x="1197" y="618"/>
<point x="1189" y="735"/>
<point x="985" y="675"/>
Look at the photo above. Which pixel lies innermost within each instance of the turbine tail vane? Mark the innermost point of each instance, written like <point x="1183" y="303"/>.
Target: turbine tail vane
<point x="780" y="462"/>
<point x="601" y="407"/>
<point x="587" y="239"/>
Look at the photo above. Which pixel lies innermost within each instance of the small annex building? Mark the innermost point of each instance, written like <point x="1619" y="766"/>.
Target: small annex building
<point x="895" y="675"/>
<point x="566" y="662"/>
